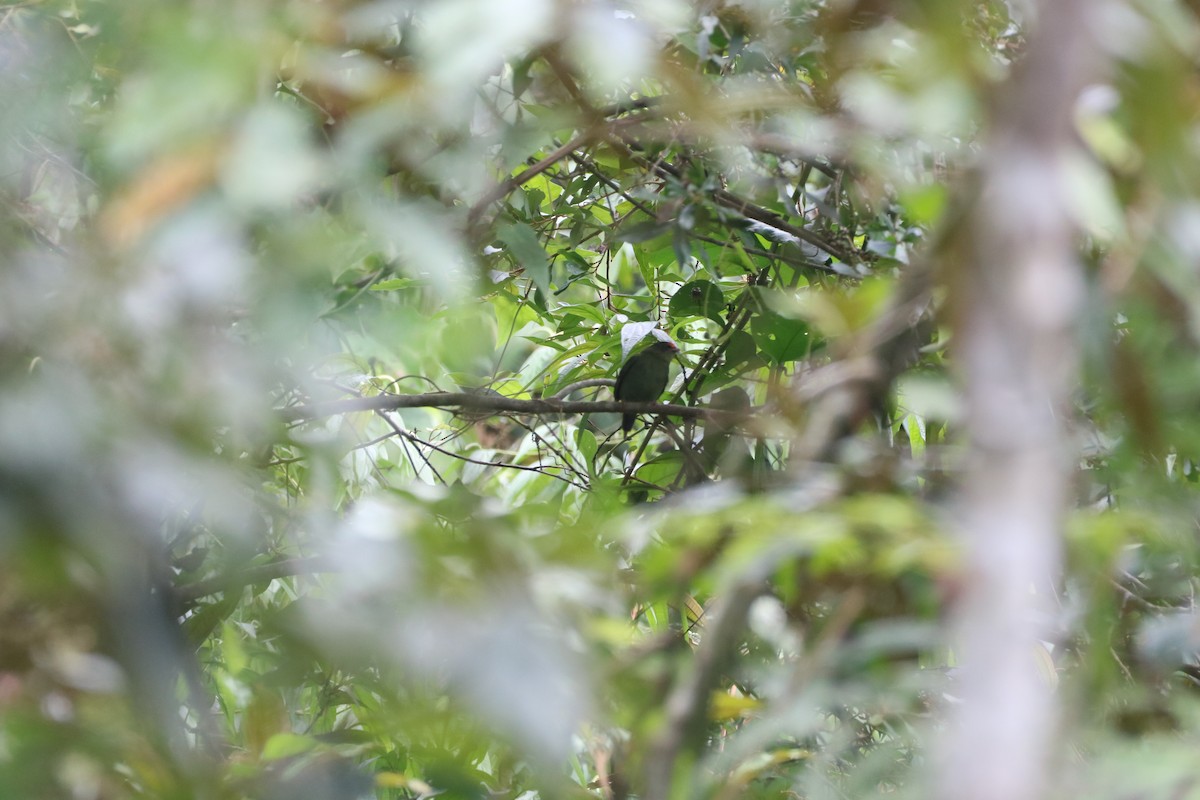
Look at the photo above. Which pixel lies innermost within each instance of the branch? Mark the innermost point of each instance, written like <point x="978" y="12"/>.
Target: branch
<point x="1018" y="290"/>
<point x="841" y="395"/>
<point x="505" y="187"/>
<point x="492" y="402"/>
<point x="686" y="705"/>
<point x="757" y="213"/>
<point x="544" y="469"/>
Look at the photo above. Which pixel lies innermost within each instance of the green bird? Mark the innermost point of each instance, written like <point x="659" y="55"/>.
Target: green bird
<point x="644" y="377"/>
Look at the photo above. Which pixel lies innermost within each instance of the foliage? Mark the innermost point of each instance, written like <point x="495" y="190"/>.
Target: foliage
<point x="224" y="219"/>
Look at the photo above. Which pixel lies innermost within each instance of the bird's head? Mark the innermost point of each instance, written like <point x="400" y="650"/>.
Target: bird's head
<point x="662" y="349"/>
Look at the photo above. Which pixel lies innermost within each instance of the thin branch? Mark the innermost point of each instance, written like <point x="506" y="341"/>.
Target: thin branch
<point x="757" y="213"/>
<point x="505" y="187"/>
<point x="623" y="141"/>
<point x="561" y="452"/>
<point x="542" y="468"/>
<point x="405" y="440"/>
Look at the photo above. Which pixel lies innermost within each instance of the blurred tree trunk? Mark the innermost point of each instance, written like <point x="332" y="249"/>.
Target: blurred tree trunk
<point x="1017" y="290"/>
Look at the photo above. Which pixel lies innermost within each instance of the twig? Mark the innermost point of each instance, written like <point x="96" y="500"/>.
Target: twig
<point x="542" y="468"/>
<point x="405" y="441"/>
<point x="507" y="186"/>
<point x="584" y="384"/>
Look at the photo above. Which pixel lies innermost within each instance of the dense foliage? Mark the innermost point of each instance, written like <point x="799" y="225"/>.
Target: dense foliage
<point x="311" y="480"/>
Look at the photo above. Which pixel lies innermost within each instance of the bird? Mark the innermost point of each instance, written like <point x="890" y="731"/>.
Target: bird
<point x="643" y="377"/>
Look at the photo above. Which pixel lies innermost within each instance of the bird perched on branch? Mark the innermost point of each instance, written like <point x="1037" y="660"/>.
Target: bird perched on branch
<point x="644" y="377"/>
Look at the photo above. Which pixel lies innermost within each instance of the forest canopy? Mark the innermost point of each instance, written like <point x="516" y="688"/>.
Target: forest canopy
<point x="599" y="398"/>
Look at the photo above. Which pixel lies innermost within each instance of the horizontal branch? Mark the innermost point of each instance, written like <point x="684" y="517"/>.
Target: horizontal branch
<point x="472" y="401"/>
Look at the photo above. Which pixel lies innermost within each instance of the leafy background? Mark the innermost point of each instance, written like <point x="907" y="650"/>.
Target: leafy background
<point x="234" y="566"/>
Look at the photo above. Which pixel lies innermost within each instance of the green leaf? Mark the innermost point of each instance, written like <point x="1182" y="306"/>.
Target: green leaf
<point x="637" y="232"/>
<point x="662" y="470"/>
<point x="590" y="312"/>
<point x="682" y="248"/>
<point x="394" y="284"/>
<point x="925" y="203"/>
<point x="523" y="244"/>
<point x="286" y="745"/>
<point x="585" y="440"/>
<point x="780" y="339"/>
<point x="265" y="715"/>
<point x="740" y="349"/>
<point x="699" y="298"/>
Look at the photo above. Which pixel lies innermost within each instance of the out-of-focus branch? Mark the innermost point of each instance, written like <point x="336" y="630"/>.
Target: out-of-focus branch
<point x="840" y="396"/>
<point x="1016" y="293"/>
<point x="686" y="706"/>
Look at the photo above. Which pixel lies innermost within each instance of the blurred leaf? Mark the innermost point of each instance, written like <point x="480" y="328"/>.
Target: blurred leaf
<point x="523" y="243"/>
<point x="286" y="745"/>
<point x="637" y="232"/>
<point x="264" y="718"/>
<point x="779" y="338"/>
